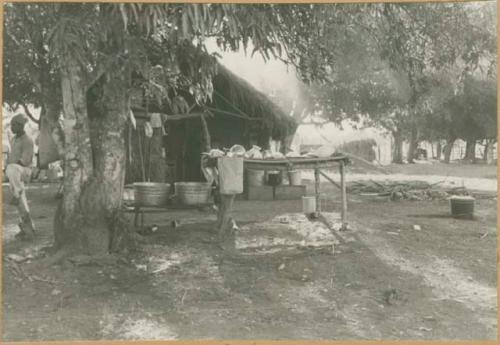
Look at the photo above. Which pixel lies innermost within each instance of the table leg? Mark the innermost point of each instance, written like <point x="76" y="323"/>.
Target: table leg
<point x="136" y="216"/>
<point x="317" y="191"/>
<point x="343" y="194"/>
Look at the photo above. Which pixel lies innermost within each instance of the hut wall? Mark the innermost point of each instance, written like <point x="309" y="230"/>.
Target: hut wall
<point x="183" y="149"/>
<point x="226" y="131"/>
<point x="185" y="143"/>
<point x="176" y="157"/>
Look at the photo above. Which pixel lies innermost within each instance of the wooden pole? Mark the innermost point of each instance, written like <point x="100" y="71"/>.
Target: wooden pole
<point x="343" y="195"/>
<point x="206" y="134"/>
<point x="317" y="191"/>
<point x="141" y="155"/>
<point x="184" y="149"/>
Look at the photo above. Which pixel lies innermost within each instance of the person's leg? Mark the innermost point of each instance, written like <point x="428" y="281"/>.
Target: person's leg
<point x="26" y="223"/>
<point x="23" y="207"/>
<point x="17" y="176"/>
<point x="14" y="173"/>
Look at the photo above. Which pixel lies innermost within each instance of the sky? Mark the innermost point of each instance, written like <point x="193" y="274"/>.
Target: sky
<point x="266" y="76"/>
<point x="274" y="76"/>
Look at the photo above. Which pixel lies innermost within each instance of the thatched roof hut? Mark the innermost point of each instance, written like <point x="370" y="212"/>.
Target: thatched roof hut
<point x="229" y="87"/>
<point x="237" y="114"/>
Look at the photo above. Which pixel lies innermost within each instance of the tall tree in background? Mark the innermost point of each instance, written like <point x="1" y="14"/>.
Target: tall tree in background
<point x="30" y="75"/>
<point x="387" y="55"/>
<point x="477" y="118"/>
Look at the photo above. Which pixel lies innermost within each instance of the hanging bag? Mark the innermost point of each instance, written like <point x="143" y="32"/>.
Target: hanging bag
<point x="230" y="175"/>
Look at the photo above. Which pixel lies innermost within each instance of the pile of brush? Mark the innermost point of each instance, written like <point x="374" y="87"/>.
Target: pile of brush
<point x="403" y="190"/>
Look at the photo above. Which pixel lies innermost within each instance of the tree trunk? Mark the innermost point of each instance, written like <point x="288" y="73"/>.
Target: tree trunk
<point x="413" y="144"/>
<point x="50" y="116"/>
<point x="103" y="197"/>
<point x="77" y="157"/>
<point x="51" y="139"/>
<point x="485" y="152"/>
<point x="439" y="150"/>
<point x="397" y="152"/>
<point x="94" y="165"/>
<point x="488" y="151"/>
<point x="470" y="150"/>
<point x="491" y="158"/>
<point x="447" y="150"/>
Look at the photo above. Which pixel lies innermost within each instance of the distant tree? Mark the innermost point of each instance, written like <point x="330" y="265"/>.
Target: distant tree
<point x="477" y="119"/>
<point x="30" y="75"/>
<point x="388" y="55"/>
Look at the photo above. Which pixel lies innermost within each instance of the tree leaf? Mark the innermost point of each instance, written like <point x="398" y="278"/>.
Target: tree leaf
<point x="124" y="15"/>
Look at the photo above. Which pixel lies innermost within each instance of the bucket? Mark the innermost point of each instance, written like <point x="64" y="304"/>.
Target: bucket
<point x="128" y="193"/>
<point x="295" y="177"/>
<point x="274" y="178"/>
<point x="308" y="204"/>
<point x="151" y="193"/>
<point x="255" y="177"/>
<point x="462" y="207"/>
<point x="193" y="193"/>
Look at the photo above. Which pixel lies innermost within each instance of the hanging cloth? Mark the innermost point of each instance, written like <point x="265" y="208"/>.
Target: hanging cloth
<point x="230" y="175"/>
<point x="148" y="130"/>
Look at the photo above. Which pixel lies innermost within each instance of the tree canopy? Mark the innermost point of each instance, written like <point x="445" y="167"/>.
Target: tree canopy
<point x="399" y="65"/>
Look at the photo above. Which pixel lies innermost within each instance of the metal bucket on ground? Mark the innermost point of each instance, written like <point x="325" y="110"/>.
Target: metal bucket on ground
<point x="255" y="177"/>
<point x="151" y="193"/>
<point x="462" y="207"/>
<point x="193" y="193"/>
<point x="308" y="204"/>
<point x="128" y="193"/>
<point x="295" y="177"/>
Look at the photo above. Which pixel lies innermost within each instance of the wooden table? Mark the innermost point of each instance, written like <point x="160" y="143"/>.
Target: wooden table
<point x="140" y="210"/>
<point x="316" y="164"/>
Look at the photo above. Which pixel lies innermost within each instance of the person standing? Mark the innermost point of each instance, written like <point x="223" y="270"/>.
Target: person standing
<point x="18" y="172"/>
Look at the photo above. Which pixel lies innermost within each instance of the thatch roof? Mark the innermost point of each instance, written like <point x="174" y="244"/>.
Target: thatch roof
<point x="233" y="96"/>
<point x="230" y="88"/>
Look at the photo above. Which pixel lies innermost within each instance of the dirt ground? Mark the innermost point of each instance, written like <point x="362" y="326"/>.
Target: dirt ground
<point x="384" y="280"/>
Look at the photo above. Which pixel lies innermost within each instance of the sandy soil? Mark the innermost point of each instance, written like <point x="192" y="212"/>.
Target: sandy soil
<point x="480" y="177"/>
<point x="384" y="280"/>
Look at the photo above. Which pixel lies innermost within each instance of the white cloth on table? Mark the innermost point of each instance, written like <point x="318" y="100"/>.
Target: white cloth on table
<point x="230" y="175"/>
